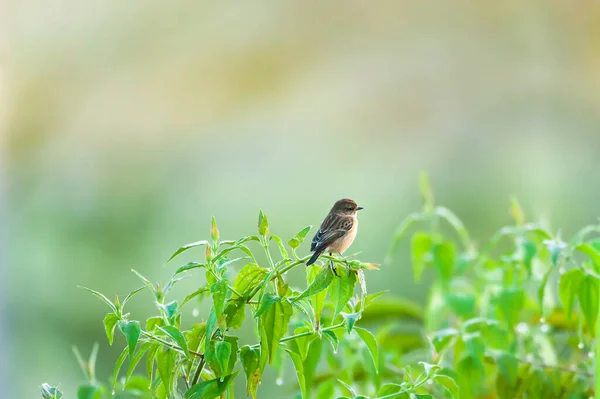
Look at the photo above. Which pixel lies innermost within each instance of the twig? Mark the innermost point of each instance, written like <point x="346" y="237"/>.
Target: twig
<point x="303" y="334"/>
<point x="170" y="345"/>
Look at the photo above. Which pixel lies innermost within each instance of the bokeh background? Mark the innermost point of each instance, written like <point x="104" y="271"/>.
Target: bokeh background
<point x="128" y="124"/>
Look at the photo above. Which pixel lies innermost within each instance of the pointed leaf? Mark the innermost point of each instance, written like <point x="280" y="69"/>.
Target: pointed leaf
<point x="188" y="266"/>
<point x="166" y="360"/>
<point x="250" y="359"/>
<point x="421" y="245"/>
<point x="101" y="297"/>
<point x="265" y="304"/>
<point x="235" y="311"/>
<point x="321" y="282"/>
<point x="341" y="290"/>
<point x="282" y="250"/>
<point x="109" y="326"/>
<point x="568" y="289"/>
<point x="249" y="278"/>
<point x="332" y="338"/>
<point x="178" y="337"/>
<point x="299" y="366"/>
<point x="219" y="291"/>
<point x="186" y="247"/>
<point x="298" y="239"/>
<point x="210" y="389"/>
<point x="588" y="300"/>
<point x="274" y="323"/>
<point x="449" y="384"/>
<point x="50" y="392"/>
<point x="131" y="330"/>
<point x="371" y="343"/>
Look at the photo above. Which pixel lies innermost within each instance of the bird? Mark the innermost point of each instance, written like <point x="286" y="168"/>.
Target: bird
<point x="337" y="231"/>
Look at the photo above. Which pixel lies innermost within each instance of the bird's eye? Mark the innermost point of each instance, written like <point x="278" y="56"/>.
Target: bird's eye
<point x="350" y="208"/>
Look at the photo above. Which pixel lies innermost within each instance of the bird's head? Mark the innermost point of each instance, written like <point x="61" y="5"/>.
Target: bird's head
<point x="346" y="206"/>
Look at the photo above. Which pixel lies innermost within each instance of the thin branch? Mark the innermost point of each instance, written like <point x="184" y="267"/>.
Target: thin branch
<point x="170" y="345"/>
<point x="304" y="334"/>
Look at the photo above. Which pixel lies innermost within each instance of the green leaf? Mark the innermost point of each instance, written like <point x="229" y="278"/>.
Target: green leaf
<point x="136" y="359"/>
<point x="371" y="297"/>
<point x="188" y="246"/>
<point x="508" y="366"/>
<point x="214" y="231"/>
<point x="195" y="335"/>
<point x="299" y="366"/>
<point x="263" y="224"/>
<point x="511" y="303"/>
<point x="188" y="266"/>
<point x="475" y="348"/>
<point x="449" y="384"/>
<point x="130" y="295"/>
<point x="317" y="300"/>
<point x="170" y="309"/>
<point x="371" y="343"/>
<point x="250" y="362"/>
<point x="321" y="282"/>
<point x="131" y="330"/>
<point x="153" y="322"/>
<point x="265" y="304"/>
<point x="211" y="323"/>
<point x="350" y="319"/>
<point x="444" y="259"/>
<point x="542" y="288"/>
<point x="389" y="388"/>
<point x="210" y="389"/>
<point x="589" y="251"/>
<point x="568" y="289"/>
<point x="275" y="323"/>
<point x="178" y="337"/>
<point x="166" y="360"/>
<point x="300" y="345"/>
<point x="588" y="300"/>
<point x="235" y="311"/>
<point x="441" y="339"/>
<point x="50" y="392"/>
<point x="233" y="356"/>
<point x="282" y="250"/>
<point x="420" y="248"/>
<point x="298" y="239"/>
<point x="119" y="364"/>
<point x="312" y="360"/>
<point x="102" y="298"/>
<point x="191" y="296"/>
<point x="219" y="291"/>
<point x="341" y="290"/>
<point x="88" y="392"/>
<point x="332" y="338"/>
<point x="109" y="326"/>
<point x="145" y="281"/>
<point x="249" y="278"/>
<point x="217" y="356"/>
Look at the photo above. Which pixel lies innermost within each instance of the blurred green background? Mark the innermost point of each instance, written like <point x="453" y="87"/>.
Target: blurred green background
<point x="128" y="124"/>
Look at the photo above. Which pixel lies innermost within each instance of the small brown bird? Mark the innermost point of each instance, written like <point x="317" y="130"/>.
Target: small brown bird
<point x="337" y="231"/>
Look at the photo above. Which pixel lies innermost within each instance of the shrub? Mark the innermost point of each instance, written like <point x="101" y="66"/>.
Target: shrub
<point x="492" y="326"/>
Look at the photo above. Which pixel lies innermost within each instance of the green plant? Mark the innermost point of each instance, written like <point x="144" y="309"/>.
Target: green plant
<point x="493" y="325"/>
<point x="320" y="324"/>
<point x="493" y="314"/>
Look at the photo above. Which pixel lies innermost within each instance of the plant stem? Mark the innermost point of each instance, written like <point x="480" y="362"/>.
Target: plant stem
<point x="304" y="334"/>
<point x="219" y="279"/>
<point x="170" y="345"/>
<point x="198" y="372"/>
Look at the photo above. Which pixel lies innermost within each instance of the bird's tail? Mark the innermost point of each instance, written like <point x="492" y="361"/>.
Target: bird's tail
<point x="314" y="258"/>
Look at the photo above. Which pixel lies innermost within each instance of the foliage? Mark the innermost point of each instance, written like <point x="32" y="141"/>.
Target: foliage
<point x="318" y="329"/>
<point x="515" y="318"/>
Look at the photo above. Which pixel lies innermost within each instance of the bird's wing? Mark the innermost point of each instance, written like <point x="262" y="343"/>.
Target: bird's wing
<point x="332" y="228"/>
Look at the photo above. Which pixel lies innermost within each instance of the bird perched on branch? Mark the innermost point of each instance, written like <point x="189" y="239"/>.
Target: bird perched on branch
<point x="337" y="231"/>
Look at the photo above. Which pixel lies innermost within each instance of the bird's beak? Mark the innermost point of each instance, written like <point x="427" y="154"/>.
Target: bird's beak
<point x="359" y="208"/>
